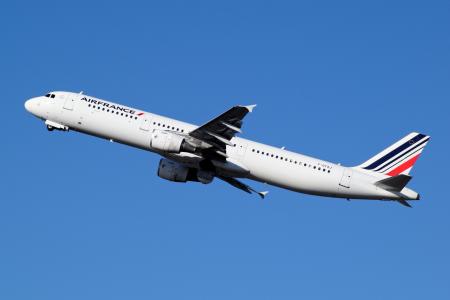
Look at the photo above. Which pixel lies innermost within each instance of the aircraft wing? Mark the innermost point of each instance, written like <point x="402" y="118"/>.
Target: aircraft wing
<point x="219" y="131"/>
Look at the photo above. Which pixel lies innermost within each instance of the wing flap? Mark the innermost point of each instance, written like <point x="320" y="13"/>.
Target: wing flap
<point x="242" y="186"/>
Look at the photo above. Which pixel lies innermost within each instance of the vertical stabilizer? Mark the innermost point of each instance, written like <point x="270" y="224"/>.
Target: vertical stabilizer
<point x="398" y="158"/>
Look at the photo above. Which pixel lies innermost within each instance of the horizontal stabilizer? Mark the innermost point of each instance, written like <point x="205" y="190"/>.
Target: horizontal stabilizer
<point x="395" y="183"/>
<point x="404" y="203"/>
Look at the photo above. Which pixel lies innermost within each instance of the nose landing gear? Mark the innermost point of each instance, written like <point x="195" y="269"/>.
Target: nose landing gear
<point x="53" y="125"/>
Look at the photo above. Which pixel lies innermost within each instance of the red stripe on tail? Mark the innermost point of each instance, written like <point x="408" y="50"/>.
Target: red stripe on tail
<point x="404" y="166"/>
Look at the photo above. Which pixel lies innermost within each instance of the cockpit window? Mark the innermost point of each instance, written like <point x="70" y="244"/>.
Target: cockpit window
<point x="48" y="95"/>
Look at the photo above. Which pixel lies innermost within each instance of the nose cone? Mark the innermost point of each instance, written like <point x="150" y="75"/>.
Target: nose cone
<point x="31" y="105"/>
<point x="28" y="105"/>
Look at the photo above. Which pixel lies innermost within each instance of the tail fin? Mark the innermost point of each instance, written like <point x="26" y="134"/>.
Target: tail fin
<point x="398" y="158"/>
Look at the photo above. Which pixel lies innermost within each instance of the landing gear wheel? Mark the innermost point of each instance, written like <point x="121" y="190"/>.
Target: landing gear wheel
<point x="50" y="128"/>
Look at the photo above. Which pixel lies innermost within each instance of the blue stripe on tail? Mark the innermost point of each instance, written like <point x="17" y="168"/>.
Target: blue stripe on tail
<point x="382" y="166"/>
<point x="395" y="151"/>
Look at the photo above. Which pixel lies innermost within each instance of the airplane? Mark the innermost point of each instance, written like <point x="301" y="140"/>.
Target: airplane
<point x="212" y="150"/>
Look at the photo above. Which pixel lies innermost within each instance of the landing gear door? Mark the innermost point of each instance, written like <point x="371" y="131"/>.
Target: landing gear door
<point x="346" y="179"/>
<point x="145" y="124"/>
<point x="69" y="103"/>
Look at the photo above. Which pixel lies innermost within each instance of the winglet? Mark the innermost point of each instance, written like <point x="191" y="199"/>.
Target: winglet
<point x="263" y="194"/>
<point x="250" y="107"/>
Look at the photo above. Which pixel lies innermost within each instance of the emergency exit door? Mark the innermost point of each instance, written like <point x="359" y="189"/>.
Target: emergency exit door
<point x="145" y="124"/>
<point x="240" y="150"/>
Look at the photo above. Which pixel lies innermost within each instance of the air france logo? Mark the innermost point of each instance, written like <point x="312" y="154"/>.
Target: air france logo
<point x="111" y="106"/>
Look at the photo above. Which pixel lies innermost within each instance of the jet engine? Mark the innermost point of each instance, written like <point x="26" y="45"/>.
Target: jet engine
<point x="204" y="177"/>
<point x="176" y="172"/>
<point x="169" y="142"/>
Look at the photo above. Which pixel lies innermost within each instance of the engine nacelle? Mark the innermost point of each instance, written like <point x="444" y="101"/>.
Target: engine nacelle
<point x="176" y="172"/>
<point x="204" y="177"/>
<point x="172" y="171"/>
<point x="169" y="142"/>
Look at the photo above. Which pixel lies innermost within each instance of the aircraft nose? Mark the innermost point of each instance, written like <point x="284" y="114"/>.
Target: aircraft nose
<point x="30" y="105"/>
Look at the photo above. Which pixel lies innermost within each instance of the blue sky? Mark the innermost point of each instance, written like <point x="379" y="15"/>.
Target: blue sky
<point x="81" y="218"/>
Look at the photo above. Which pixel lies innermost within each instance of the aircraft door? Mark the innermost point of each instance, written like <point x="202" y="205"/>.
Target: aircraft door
<point x="346" y="178"/>
<point x="145" y="124"/>
<point x="69" y="103"/>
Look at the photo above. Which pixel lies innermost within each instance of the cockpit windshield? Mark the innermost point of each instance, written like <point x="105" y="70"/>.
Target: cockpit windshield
<point x="50" y="95"/>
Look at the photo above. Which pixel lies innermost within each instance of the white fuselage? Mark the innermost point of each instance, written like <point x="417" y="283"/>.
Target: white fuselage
<point x="261" y="162"/>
